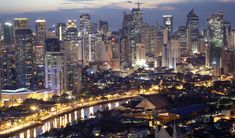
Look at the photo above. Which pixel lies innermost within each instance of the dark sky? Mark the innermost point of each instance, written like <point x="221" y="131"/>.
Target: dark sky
<point x="112" y="11"/>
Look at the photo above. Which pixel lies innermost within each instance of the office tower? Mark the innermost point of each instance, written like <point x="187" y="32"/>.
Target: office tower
<point x="61" y="31"/>
<point x="114" y="44"/>
<point x="85" y="22"/>
<point x="227" y="61"/>
<point x="103" y="50"/>
<point x="168" y="23"/>
<point x="71" y="34"/>
<point x="164" y="48"/>
<point x="182" y="31"/>
<point x="71" y="24"/>
<point x="1" y="30"/>
<point x="140" y="55"/>
<point x="39" y="55"/>
<point x="51" y="33"/>
<point x="8" y="33"/>
<point x="21" y="23"/>
<point x="55" y="66"/>
<point x="124" y="52"/>
<point x="215" y="26"/>
<point x="24" y="57"/>
<point x="146" y="38"/>
<point x="227" y="34"/>
<point x="40" y="30"/>
<point x="94" y="28"/>
<point x="135" y="32"/>
<point x="173" y="52"/>
<point x="103" y="26"/>
<point x="193" y="31"/>
<point x="232" y="43"/>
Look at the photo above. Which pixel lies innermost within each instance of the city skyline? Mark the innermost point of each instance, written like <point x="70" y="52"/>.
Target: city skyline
<point x="153" y="14"/>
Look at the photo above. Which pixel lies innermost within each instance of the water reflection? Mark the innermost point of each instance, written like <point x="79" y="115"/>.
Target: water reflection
<point x="63" y="120"/>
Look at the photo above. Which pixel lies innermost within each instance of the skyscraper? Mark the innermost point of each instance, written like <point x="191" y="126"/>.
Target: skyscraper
<point x="21" y="23"/>
<point x="71" y="24"/>
<point x="61" y="31"/>
<point x="8" y="33"/>
<point x="40" y="32"/>
<point x="24" y="57"/>
<point x="215" y="24"/>
<point x="174" y="52"/>
<point x="168" y="23"/>
<point x="55" y="67"/>
<point x="85" y="22"/>
<point x="227" y="34"/>
<point x="1" y="30"/>
<point x="193" y="31"/>
<point x="103" y="26"/>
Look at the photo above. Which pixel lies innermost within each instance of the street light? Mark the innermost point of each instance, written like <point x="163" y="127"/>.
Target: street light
<point x="33" y="108"/>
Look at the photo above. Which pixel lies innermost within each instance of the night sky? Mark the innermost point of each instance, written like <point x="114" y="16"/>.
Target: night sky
<point x="55" y="11"/>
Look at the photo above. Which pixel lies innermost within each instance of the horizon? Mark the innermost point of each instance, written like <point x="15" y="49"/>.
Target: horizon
<point x="153" y="11"/>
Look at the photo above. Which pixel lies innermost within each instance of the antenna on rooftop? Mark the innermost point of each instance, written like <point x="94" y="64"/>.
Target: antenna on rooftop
<point x="139" y="4"/>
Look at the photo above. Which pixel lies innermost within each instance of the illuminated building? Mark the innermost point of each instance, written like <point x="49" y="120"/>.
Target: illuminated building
<point x="71" y="34"/>
<point x="227" y="61"/>
<point x="168" y="23"/>
<point x="232" y="39"/>
<point x="55" y="67"/>
<point x="85" y="22"/>
<point x="103" y="26"/>
<point x="227" y="34"/>
<point x="61" y="31"/>
<point x="21" y="23"/>
<point x="140" y="55"/>
<point x="40" y="32"/>
<point x="8" y="33"/>
<point x="136" y="31"/>
<point x="71" y="24"/>
<point x="94" y="28"/>
<point x="193" y="31"/>
<point x="215" y="37"/>
<point x="182" y="31"/>
<point x="164" y="48"/>
<point x="24" y="57"/>
<point x="1" y="30"/>
<point x="173" y="52"/>
<point x="51" y="33"/>
<point x="15" y="96"/>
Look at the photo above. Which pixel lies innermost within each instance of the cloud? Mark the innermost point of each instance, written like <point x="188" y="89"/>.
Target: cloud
<point x="22" y="6"/>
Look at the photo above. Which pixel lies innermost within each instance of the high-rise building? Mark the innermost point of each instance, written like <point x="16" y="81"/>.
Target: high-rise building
<point x="40" y="32"/>
<point x="24" y="57"/>
<point x="61" y="31"/>
<point x="71" y="34"/>
<point x="85" y="22"/>
<point x="215" y="24"/>
<point x="193" y="31"/>
<point x="164" y="48"/>
<point x="174" y="52"/>
<point x="103" y="26"/>
<point x="71" y="24"/>
<point x="140" y="55"/>
<point x="8" y="33"/>
<point x="227" y="34"/>
<point x="168" y="23"/>
<point x="21" y="23"/>
<point x="1" y="30"/>
<point x="55" y="67"/>
<point x="232" y="39"/>
<point x="94" y="28"/>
